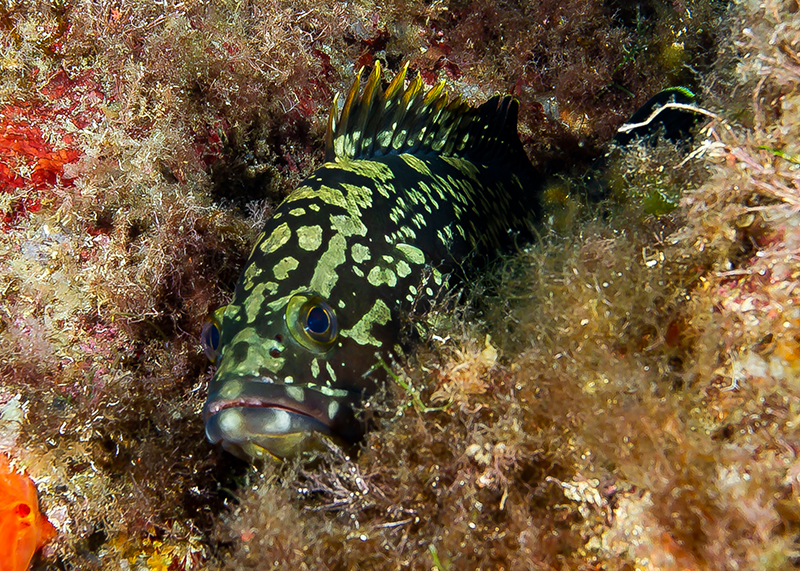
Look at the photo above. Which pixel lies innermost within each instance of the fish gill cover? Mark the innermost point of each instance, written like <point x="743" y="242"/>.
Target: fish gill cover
<point x="620" y="394"/>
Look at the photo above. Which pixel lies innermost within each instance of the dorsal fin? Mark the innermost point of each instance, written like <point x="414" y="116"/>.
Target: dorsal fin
<point x="406" y="119"/>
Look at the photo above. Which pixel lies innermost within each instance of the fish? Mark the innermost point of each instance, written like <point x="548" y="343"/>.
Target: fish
<point x="416" y="187"/>
<point x="670" y="114"/>
<point x="23" y="528"/>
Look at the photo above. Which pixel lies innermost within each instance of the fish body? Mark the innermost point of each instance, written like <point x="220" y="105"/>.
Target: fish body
<point x="415" y="187"/>
<point x="23" y="528"/>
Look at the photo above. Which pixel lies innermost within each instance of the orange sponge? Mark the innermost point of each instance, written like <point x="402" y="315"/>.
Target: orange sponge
<point x="23" y="528"/>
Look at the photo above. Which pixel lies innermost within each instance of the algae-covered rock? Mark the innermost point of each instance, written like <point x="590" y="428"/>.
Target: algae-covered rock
<point x="620" y="394"/>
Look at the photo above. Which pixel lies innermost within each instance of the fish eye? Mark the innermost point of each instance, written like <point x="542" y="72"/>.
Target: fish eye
<point x="312" y="322"/>
<point x="210" y="335"/>
<point x="317" y="323"/>
<point x="209" y="339"/>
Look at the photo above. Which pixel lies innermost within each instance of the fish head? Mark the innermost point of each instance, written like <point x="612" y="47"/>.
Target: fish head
<point x="296" y="353"/>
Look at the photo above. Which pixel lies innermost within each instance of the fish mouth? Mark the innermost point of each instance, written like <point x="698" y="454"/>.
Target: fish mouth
<point x="253" y="419"/>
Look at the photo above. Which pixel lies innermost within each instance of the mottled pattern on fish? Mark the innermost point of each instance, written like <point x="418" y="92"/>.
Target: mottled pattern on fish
<point x="415" y="185"/>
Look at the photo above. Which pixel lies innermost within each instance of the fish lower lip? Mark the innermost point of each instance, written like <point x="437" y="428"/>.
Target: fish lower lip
<point x="271" y="427"/>
<point x="250" y="416"/>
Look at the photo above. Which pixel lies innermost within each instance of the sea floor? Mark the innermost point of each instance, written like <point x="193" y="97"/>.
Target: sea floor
<point x="623" y="393"/>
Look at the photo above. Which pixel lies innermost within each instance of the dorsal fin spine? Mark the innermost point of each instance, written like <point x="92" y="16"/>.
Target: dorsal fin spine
<point x="351" y="96"/>
<point x="332" y="122"/>
<point x="397" y="83"/>
<point x="371" y="104"/>
<point x="347" y="118"/>
<point x="434" y="93"/>
<point x="407" y="119"/>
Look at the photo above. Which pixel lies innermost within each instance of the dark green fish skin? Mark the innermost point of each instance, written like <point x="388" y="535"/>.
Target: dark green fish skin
<point x="415" y="187"/>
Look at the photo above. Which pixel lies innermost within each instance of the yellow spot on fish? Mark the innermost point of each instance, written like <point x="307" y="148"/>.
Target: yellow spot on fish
<point x="278" y="238"/>
<point x="315" y="368"/>
<point x="370" y="169"/>
<point x="296" y="393"/>
<point x="412" y="253"/>
<point x="281" y="301"/>
<point x="402" y="268"/>
<point x="325" y="276"/>
<point x="327" y="194"/>
<point x="330" y="370"/>
<point x="361" y="332"/>
<point x="359" y="197"/>
<point x="282" y="268"/>
<point x="384" y="190"/>
<point x="333" y="408"/>
<point x="464" y="166"/>
<point x="251" y="275"/>
<point x="378" y="276"/>
<point x="348" y="225"/>
<point x="356" y="199"/>
<point x="252" y="306"/>
<point x="360" y="253"/>
<point x="231" y="389"/>
<point x="309" y="237"/>
<point x="329" y="392"/>
<point x="297" y="211"/>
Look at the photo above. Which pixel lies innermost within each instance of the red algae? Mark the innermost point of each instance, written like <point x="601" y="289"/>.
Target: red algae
<point x="36" y="142"/>
<point x="23" y="528"/>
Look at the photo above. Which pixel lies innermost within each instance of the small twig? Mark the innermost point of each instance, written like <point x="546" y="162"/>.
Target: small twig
<point x="395" y="523"/>
<point x="627" y="127"/>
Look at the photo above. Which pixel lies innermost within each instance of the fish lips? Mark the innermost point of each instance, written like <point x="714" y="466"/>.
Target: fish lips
<point x="253" y="418"/>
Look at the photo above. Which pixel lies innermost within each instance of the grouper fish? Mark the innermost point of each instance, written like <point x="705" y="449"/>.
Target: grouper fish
<point x="415" y="186"/>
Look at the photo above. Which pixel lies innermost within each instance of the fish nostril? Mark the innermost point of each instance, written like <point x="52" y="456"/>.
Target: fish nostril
<point x="274" y="353"/>
<point x="279" y="338"/>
